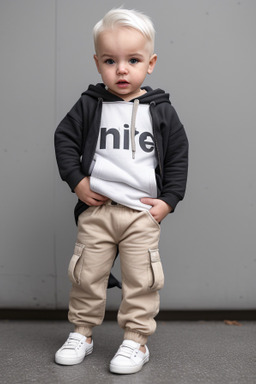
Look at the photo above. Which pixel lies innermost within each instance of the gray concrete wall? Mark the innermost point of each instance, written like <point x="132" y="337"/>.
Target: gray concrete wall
<point x="206" y="60"/>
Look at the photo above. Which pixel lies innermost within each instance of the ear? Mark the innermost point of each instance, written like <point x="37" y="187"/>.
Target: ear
<point x="96" y="62"/>
<point x="152" y="63"/>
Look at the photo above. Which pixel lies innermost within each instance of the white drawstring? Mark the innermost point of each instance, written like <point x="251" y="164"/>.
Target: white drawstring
<point x="134" y="113"/>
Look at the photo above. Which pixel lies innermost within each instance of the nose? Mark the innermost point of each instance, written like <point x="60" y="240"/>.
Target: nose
<point x="121" y="68"/>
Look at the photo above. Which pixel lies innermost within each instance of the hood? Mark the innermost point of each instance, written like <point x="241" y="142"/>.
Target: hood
<point x="157" y="96"/>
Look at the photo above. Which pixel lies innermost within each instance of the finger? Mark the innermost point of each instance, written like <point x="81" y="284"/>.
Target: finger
<point x="145" y="200"/>
<point x="94" y="202"/>
<point x="148" y="200"/>
<point x="97" y="203"/>
<point x="97" y="196"/>
<point x="156" y="217"/>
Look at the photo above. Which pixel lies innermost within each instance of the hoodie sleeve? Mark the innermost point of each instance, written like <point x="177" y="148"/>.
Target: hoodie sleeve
<point x="175" y="160"/>
<point x="68" y="141"/>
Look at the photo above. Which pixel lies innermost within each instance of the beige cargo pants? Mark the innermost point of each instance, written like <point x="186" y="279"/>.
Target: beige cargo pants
<point x="136" y="233"/>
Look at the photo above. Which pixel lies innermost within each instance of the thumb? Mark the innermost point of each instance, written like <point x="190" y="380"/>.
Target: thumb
<point x="147" y="200"/>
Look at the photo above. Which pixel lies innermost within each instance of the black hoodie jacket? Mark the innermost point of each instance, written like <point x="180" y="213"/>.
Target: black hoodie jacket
<point x="77" y="134"/>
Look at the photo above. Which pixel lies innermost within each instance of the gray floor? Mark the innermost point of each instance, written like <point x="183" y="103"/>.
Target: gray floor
<point x="181" y="353"/>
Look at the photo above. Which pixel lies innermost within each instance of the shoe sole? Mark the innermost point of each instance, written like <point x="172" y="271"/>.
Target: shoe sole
<point x="124" y="370"/>
<point x="65" y="361"/>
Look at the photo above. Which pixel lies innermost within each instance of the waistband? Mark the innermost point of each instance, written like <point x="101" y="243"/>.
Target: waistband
<point x="113" y="203"/>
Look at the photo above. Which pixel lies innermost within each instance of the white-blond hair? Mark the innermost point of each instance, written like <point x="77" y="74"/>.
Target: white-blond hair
<point x="126" y="18"/>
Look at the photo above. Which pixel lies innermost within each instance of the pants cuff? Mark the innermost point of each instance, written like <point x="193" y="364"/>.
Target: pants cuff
<point x="135" y="336"/>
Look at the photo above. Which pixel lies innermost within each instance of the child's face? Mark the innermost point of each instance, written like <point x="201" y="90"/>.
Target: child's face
<point x="123" y="59"/>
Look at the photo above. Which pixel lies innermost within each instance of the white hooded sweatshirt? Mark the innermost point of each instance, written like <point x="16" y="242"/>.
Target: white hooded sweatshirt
<point x="123" y="167"/>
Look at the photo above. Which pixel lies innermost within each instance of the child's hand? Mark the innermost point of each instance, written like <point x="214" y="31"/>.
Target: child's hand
<point x="159" y="209"/>
<point x="85" y="194"/>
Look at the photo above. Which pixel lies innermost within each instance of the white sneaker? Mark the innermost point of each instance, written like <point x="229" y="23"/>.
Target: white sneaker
<point x="129" y="358"/>
<point x="73" y="350"/>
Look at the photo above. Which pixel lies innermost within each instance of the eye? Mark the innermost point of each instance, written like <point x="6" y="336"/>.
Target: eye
<point x="134" y="61"/>
<point x="109" y="61"/>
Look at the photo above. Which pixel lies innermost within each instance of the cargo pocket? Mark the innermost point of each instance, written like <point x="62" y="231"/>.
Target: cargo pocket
<point x="75" y="265"/>
<point x="156" y="269"/>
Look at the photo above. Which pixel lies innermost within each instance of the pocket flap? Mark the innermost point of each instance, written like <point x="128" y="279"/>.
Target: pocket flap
<point x="78" y="249"/>
<point x="157" y="269"/>
<point x="74" y="259"/>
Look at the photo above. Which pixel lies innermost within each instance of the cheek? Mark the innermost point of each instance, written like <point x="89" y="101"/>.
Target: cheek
<point x="107" y="73"/>
<point x="140" y="76"/>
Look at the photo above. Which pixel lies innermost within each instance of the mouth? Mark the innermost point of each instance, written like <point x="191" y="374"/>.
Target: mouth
<point x="122" y="83"/>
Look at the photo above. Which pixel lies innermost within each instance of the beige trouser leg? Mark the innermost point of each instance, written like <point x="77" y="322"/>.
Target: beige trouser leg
<point x="136" y="233"/>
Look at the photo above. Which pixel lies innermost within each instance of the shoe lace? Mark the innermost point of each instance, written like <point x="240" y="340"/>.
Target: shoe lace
<point x="72" y="343"/>
<point x="126" y="351"/>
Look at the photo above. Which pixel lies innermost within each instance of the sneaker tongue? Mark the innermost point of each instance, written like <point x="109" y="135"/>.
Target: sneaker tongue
<point x="131" y="344"/>
<point x="76" y="335"/>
